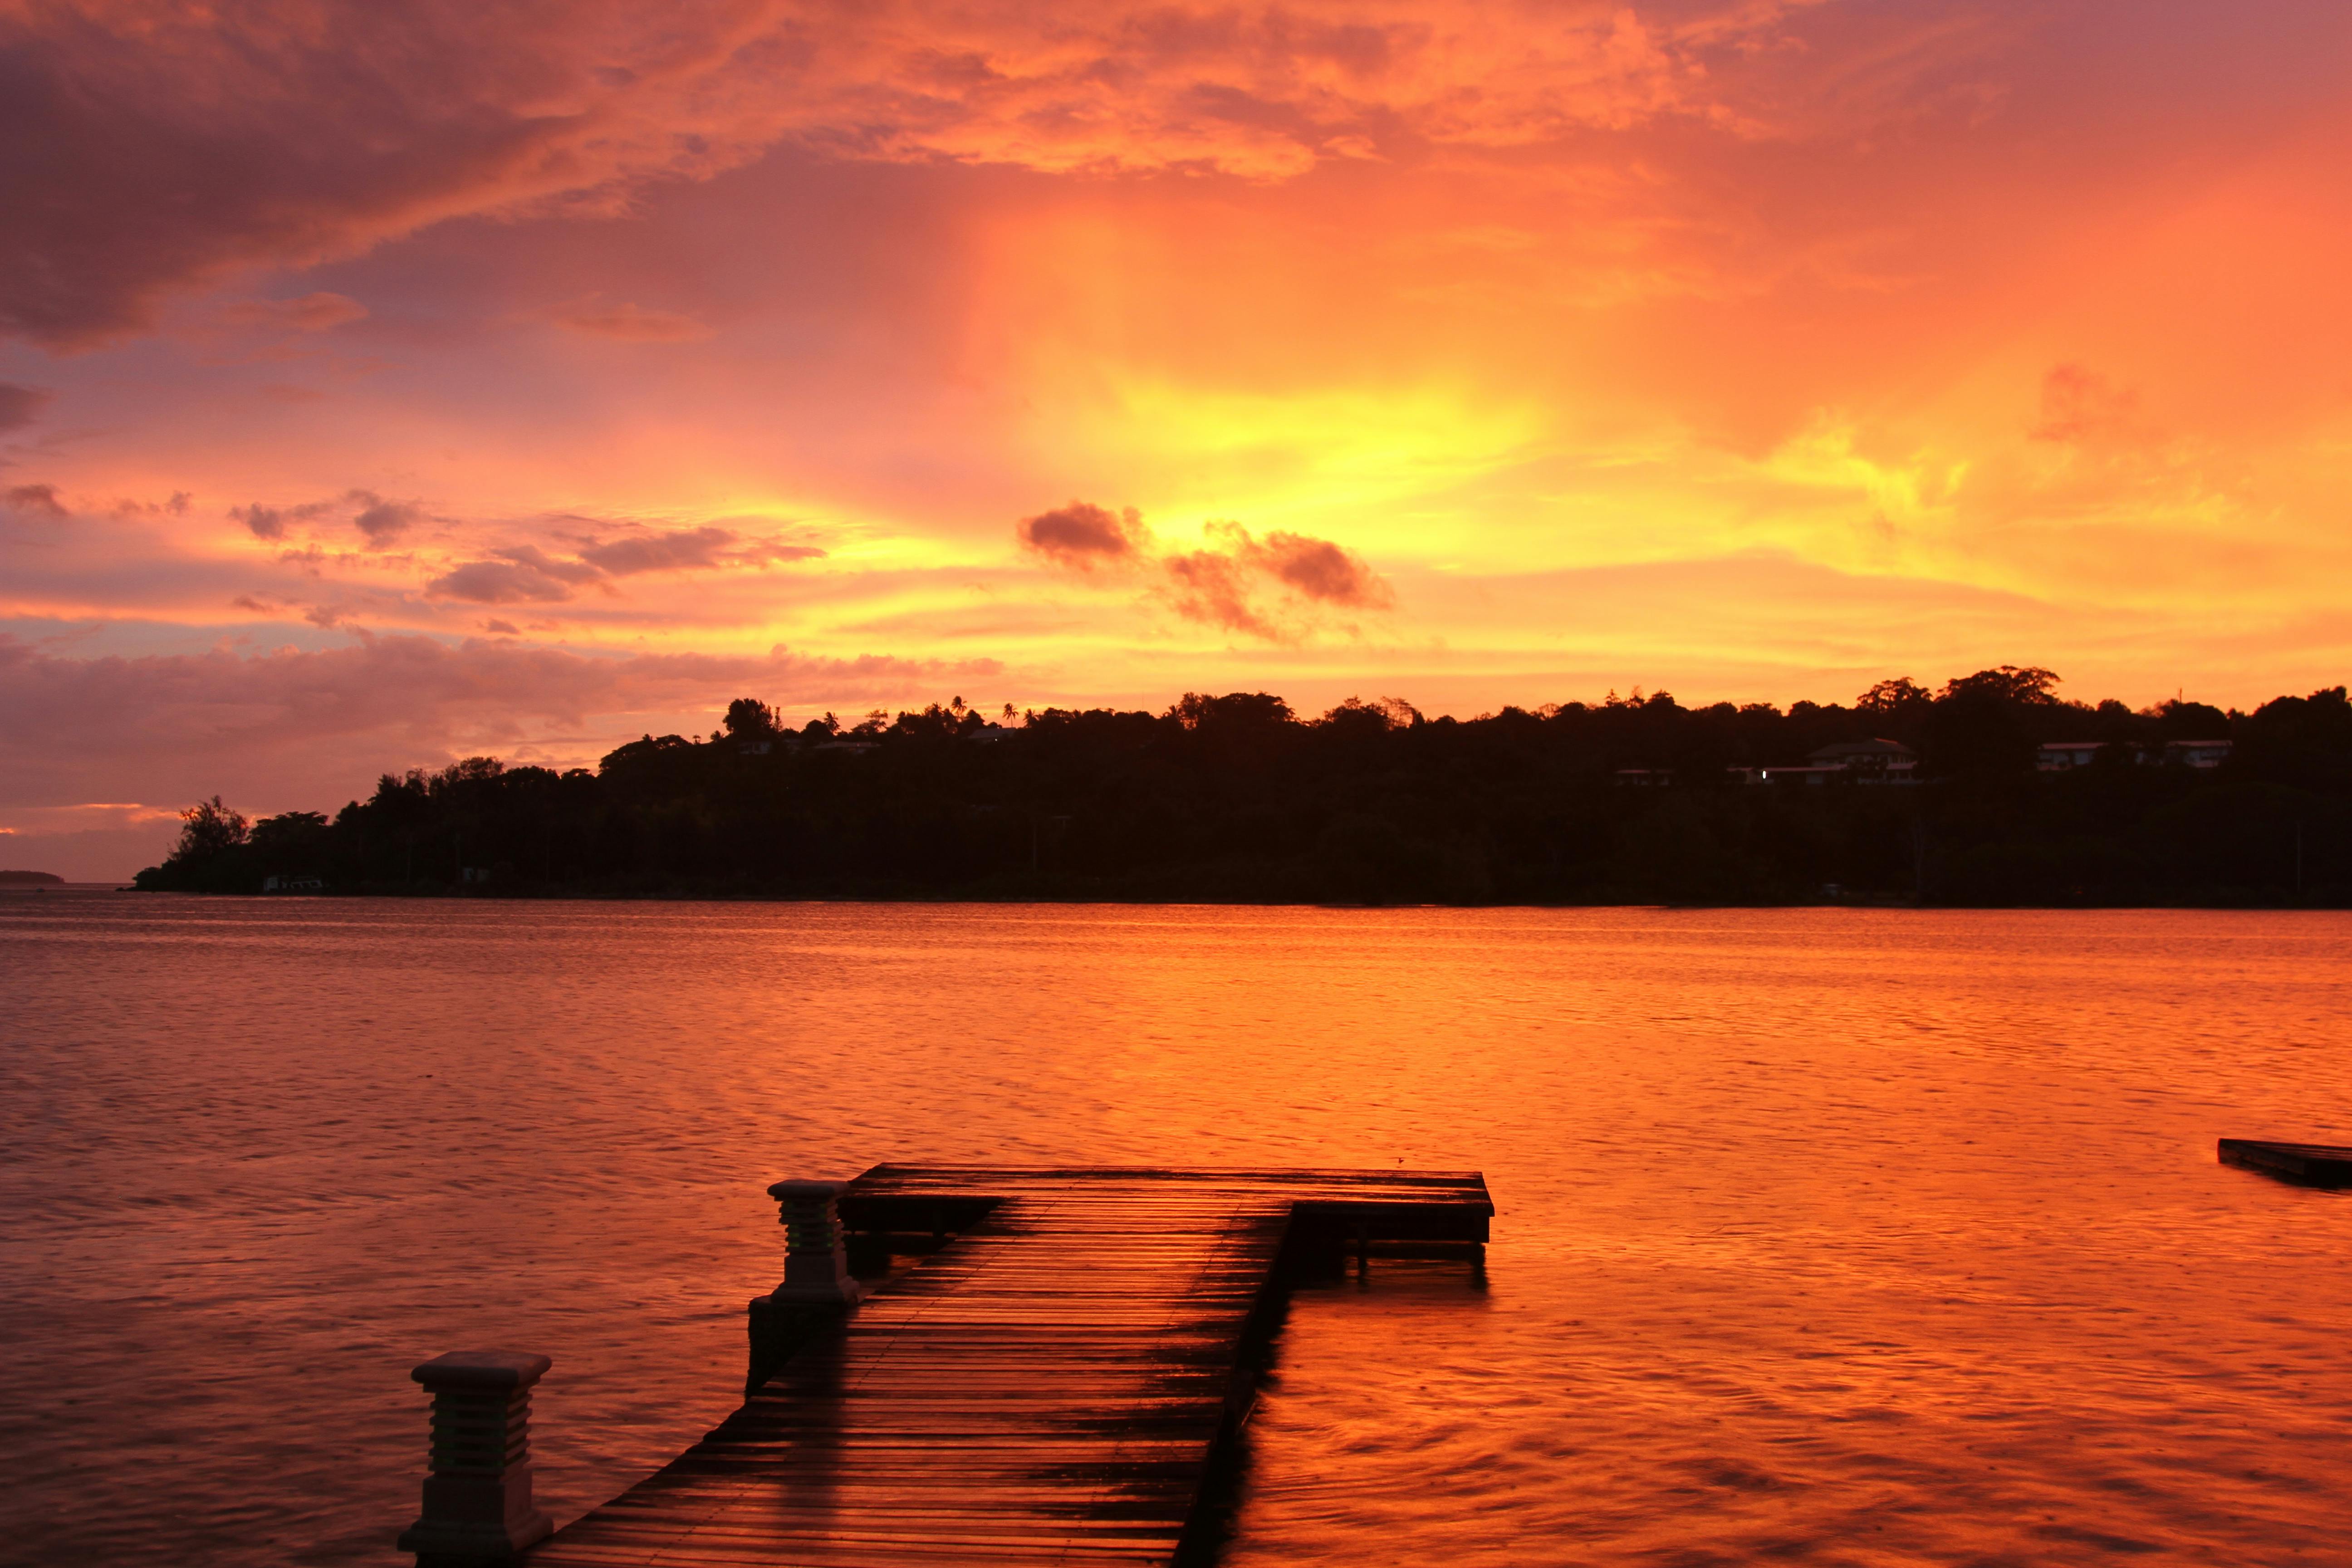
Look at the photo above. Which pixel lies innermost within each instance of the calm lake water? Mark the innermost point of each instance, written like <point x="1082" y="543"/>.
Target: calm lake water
<point x="1831" y="1236"/>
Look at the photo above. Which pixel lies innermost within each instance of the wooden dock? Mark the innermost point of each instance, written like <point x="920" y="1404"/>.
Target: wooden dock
<point x="1049" y="1385"/>
<point x="2305" y="1164"/>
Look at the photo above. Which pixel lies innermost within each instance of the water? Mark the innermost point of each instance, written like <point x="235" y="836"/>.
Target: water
<point x="1834" y="1236"/>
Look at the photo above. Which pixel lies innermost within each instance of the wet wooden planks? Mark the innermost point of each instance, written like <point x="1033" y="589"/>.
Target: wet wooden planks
<point x="2307" y="1164"/>
<point x="1049" y="1387"/>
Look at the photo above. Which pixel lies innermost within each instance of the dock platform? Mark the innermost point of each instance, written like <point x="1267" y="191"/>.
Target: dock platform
<point x="1049" y="1385"/>
<point x="2305" y="1164"/>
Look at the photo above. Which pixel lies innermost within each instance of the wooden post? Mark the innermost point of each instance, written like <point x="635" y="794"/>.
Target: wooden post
<point x="478" y="1507"/>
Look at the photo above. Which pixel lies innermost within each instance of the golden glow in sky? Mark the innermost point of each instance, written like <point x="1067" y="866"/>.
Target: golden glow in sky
<point x="381" y="384"/>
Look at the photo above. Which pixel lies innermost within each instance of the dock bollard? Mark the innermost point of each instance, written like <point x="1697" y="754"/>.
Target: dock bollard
<point x="477" y="1508"/>
<point x="816" y="1263"/>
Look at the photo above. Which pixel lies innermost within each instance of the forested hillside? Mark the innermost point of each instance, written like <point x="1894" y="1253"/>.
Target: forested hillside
<point x="1237" y="798"/>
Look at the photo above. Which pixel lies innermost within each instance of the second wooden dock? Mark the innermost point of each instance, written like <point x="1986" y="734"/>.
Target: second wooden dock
<point x="2305" y="1164"/>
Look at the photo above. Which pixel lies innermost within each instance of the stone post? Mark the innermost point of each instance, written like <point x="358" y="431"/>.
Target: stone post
<point x="477" y="1508"/>
<point x="817" y="1282"/>
<point x="816" y="1262"/>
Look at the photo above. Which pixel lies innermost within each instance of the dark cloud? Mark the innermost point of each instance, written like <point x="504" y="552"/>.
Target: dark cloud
<point x="1085" y="536"/>
<point x="262" y="521"/>
<point x="670" y="552"/>
<point x="42" y="499"/>
<point x="760" y="551"/>
<point x="150" y="151"/>
<point x="266" y="521"/>
<point x="20" y="405"/>
<point x="174" y="505"/>
<point x="520" y="576"/>
<point x="498" y="582"/>
<point x="384" y="522"/>
<point x="1320" y="569"/>
<point x="379" y="520"/>
<point x="538" y="561"/>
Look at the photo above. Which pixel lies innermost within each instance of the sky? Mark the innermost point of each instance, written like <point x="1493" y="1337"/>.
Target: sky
<point x="381" y="385"/>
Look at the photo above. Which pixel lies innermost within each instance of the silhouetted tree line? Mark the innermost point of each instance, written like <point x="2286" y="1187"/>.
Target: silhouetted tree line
<point x="1237" y="798"/>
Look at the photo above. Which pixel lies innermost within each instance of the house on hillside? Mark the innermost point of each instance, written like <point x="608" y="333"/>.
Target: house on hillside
<point x="1865" y="756"/>
<point x="1845" y="761"/>
<point x="2196" y="754"/>
<point x="2063" y="756"/>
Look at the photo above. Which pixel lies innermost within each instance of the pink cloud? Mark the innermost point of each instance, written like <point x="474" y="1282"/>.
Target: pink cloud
<point x="294" y="729"/>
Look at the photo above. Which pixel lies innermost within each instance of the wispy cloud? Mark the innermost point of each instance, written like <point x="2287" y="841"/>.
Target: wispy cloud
<point x="37" y="500"/>
<point x="316" y="313"/>
<point x="633" y="323"/>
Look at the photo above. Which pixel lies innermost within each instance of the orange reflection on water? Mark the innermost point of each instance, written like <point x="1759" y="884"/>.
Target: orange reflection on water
<point x="1855" y="1237"/>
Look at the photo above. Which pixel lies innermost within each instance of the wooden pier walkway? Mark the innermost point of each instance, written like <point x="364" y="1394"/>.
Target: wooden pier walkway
<point x="1048" y="1386"/>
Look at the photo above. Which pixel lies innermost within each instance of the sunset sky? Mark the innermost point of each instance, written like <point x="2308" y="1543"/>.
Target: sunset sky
<point x="383" y="384"/>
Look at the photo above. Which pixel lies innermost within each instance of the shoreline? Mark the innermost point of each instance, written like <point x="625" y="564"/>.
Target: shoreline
<point x="1108" y="897"/>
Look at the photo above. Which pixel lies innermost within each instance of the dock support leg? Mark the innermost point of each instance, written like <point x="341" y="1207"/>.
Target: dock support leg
<point x="478" y="1509"/>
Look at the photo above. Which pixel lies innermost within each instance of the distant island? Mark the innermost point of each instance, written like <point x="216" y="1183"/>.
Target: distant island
<point x="1990" y="790"/>
<point x="30" y="879"/>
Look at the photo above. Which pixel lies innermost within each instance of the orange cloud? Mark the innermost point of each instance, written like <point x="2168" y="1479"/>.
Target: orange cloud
<point x="1216" y="585"/>
<point x="159" y="146"/>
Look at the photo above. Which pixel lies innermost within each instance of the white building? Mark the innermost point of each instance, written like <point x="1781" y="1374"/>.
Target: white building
<point x="2060" y="756"/>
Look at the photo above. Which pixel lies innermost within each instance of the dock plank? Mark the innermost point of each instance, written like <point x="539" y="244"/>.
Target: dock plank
<point x="1050" y="1386"/>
